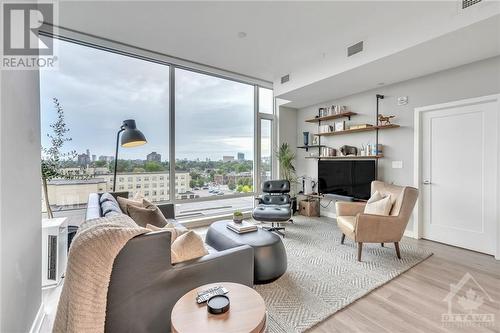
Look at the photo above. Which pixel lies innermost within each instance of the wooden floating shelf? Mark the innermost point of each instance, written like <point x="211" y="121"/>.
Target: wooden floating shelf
<point x="311" y="146"/>
<point x="346" y="157"/>
<point x="334" y="116"/>
<point x="366" y="129"/>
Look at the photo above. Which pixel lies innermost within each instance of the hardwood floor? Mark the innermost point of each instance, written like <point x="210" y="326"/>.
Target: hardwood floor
<point x="414" y="301"/>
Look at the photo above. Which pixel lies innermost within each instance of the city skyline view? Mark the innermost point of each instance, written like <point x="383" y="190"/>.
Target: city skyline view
<point x="214" y="116"/>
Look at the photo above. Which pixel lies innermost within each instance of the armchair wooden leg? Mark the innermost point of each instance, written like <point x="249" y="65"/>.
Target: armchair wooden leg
<point x="396" y="245"/>
<point x="342" y="239"/>
<point x="360" y="248"/>
<point x="382" y="244"/>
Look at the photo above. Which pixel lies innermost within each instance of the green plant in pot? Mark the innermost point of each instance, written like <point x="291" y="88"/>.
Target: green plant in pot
<point x="286" y="158"/>
<point x="238" y="216"/>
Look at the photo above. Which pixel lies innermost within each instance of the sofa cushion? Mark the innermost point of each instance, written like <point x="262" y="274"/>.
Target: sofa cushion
<point x="107" y="197"/>
<point x="347" y="225"/>
<point x="188" y="246"/>
<point x="124" y="203"/>
<point x="272" y="213"/>
<point x="175" y="231"/>
<point x="109" y="206"/>
<point x="379" y="204"/>
<point x="146" y="215"/>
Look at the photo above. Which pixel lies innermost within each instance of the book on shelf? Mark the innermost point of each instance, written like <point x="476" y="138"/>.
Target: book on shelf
<point x="241" y="228"/>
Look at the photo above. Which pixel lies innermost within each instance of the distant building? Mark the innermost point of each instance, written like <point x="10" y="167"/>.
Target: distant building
<point x="83" y="160"/>
<point x="106" y="158"/>
<point x="227" y="158"/>
<point x="153" y="157"/>
<point x="241" y="157"/>
<point x="154" y="186"/>
<point x="94" y="157"/>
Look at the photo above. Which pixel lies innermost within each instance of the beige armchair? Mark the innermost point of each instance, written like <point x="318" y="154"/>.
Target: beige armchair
<point x="368" y="228"/>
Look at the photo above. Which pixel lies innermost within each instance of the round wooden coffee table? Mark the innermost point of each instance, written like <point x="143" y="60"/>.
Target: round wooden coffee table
<point x="247" y="312"/>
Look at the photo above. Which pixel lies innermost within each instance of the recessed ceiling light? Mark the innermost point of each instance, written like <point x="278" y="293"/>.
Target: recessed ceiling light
<point x="242" y="34"/>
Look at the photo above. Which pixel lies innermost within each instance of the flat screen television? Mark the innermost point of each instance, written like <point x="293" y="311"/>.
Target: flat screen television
<point x="350" y="178"/>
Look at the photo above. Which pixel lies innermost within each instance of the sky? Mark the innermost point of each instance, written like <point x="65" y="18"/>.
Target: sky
<point x="98" y="90"/>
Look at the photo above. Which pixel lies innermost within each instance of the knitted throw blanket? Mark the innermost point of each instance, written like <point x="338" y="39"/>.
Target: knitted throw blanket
<point x="82" y="305"/>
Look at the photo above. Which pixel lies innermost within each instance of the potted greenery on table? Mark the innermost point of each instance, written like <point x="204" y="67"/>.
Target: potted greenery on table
<point x="286" y="157"/>
<point x="238" y="216"/>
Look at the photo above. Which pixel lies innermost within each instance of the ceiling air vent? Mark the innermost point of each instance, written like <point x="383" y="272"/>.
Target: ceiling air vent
<point x="353" y="49"/>
<point x="285" y="78"/>
<point x="468" y="3"/>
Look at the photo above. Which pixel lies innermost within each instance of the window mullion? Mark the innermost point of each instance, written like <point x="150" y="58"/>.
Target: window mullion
<point x="171" y="111"/>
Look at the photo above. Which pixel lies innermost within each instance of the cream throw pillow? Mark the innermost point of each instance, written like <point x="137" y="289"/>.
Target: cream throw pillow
<point x="176" y="232"/>
<point x="187" y="247"/>
<point x="378" y="204"/>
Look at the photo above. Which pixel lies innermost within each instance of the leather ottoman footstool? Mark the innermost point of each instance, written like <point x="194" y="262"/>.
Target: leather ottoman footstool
<point x="270" y="260"/>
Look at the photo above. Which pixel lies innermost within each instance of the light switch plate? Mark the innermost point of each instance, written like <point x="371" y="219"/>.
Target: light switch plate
<point x="402" y="100"/>
<point x="397" y="164"/>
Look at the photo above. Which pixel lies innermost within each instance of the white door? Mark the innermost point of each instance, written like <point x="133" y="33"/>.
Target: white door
<point x="459" y="175"/>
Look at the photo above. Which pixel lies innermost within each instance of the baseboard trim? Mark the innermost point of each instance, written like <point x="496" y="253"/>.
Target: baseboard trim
<point x="37" y="323"/>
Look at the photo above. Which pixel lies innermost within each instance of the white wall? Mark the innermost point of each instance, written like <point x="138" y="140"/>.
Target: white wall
<point x="20" y="194"/>
<point x="472" y="80"/>
<point x="287" y="129"/>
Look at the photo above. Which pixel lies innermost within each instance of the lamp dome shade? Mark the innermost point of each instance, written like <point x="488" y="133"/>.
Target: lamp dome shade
<point x="131" y="136"/>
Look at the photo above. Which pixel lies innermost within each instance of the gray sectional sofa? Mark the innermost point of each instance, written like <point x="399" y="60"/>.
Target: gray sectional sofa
<point x="145" y="286"/>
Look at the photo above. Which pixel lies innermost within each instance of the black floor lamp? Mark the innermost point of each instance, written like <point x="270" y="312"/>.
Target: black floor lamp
<point x="131" y="137"/>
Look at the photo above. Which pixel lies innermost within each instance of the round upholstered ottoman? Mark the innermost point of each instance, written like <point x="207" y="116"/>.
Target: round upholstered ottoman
<point x="270" y="260"/>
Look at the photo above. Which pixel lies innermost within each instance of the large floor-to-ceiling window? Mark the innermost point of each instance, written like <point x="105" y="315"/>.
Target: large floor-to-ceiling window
<point x="201" y="148"/>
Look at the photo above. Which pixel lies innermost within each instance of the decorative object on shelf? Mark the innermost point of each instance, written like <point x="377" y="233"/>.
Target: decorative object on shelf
<point x="328" y="152"/>
<point x="306" y="138"/>
<point x="353" y="127"/>
<point x="385" y="120"/>
<point x="326" y="129"/>
<point x="371" y="150"/>
<point x="348" y="150"/>
<point x="315" y="140"/>
<point x="339" y="126"/>
<point x="238" y="216"/>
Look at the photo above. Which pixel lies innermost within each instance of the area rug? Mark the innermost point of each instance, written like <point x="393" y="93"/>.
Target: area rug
<point x="324" y="276"/>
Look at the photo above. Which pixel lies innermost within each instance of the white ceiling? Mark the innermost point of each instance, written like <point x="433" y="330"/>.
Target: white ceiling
<point x="454" y="49"/>
<point x="299" y="38"/>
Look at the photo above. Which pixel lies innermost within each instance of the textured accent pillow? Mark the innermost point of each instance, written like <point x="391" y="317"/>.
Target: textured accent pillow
<point x="378" y="204"/>
<point x="146" y="215"/>
<point x="110" y="206"/>
<point x="187" y="247"/>
<point x="107" y="197"/>
<point x="124" y="203"/>
<point x="176" y="232"/>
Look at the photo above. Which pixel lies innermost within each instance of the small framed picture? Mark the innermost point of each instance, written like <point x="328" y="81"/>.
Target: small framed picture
<point x="339" y="126"/>
<point x="315" y="140"/>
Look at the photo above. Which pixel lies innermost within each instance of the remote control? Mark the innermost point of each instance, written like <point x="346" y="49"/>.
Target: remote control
<point x="207" y="294"/>
<point x="202" y="292"/>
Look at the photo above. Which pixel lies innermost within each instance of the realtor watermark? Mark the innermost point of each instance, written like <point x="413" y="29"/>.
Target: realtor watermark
<point x="22" y="45"/>
<point x="465" y="302"/>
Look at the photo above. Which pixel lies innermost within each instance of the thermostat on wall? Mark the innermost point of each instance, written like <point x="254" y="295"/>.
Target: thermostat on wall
<point x="402" y="100"/>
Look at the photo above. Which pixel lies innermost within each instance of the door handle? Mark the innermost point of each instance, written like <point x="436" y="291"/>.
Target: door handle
<point x="427" y="182"/>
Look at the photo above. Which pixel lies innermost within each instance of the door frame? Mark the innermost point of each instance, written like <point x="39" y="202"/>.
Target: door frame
<point x="417" y="157"/>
